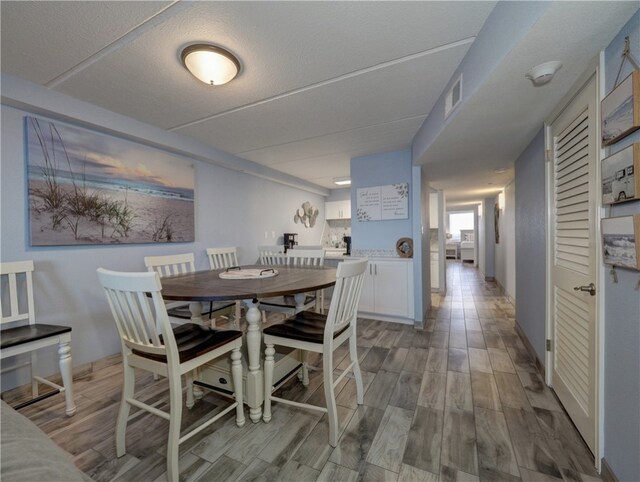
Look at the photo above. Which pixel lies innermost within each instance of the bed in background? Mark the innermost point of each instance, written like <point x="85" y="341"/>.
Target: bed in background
<point x="467" y="245"/>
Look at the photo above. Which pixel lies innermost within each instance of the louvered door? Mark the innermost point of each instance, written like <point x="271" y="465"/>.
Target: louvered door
<point x="573" y="242"/>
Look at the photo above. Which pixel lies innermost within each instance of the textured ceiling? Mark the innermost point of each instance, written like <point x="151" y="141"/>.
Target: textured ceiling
<point x="321" y="82"/>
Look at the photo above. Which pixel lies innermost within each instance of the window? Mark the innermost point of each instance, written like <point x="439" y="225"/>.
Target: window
<point x="458" y="221"/>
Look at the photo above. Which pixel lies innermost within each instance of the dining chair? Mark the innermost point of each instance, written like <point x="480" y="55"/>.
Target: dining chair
<point x="271" y="255"/>
<point x="175" y="264"/>
<point x="321" y="333"/>
<point x="138" y="310"/>
<point x="220" y="258"/>
<point x="287" y="304"/>
<point x="16" y="284"/>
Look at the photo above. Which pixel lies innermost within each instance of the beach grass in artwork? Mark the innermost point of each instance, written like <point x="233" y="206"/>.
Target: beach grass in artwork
<point x="90" y="188"/>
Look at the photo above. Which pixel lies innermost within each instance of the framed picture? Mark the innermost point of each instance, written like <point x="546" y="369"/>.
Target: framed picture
<point x="496" y="221"/>
<point x="90" y="188"/>
<point x="620" y="110"/>
<point x="620" y="241"/>
<point x="621" y="175"/>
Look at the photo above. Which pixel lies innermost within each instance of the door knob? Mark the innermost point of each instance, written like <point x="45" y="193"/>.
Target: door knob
<point x="590" y="288"/>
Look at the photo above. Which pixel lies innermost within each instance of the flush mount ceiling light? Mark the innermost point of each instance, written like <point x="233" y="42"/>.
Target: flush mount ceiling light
<point x="543" y="73"/>
<point x="211" y="64"/>
<point x="342" y="181"/>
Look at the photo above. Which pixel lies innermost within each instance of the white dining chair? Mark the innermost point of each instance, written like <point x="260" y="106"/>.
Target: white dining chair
<point x="272" y="255"/>
<point x="138" y="310"/>
<point x="176" y="264"/>
<point x="321" y="333"/>
<point x="220" y="258"/>
<point x="16" y="283"/>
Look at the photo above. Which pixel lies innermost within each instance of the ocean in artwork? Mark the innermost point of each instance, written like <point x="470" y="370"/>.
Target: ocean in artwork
<point x="91" y="188"/>
<point x="620" y="250"/>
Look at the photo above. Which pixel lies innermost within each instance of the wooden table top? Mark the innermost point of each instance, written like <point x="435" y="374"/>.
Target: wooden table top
<point x="208" y="286"/>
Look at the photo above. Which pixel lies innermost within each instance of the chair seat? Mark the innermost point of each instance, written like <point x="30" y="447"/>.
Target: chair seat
<point x="304" y="326"/>
<point x="28" y="333"/>
<point x="287" y="301"/>
<point x="195" y="340"/>
<point x="184" y="312"/>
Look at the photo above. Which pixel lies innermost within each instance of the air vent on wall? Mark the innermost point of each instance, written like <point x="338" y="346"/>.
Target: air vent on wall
<point x="453" y="97"/>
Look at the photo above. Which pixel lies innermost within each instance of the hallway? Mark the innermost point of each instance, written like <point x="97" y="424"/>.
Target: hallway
<point x="460" y="401"/>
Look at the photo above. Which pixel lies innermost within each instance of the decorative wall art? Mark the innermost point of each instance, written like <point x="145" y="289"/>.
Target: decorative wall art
<point x="306" y="215"/>
<point x="382" y="203"/>
<point x="496" y="221"/>
<point x="620" y="241"/>
<point x="620" y="110"/>
<point x="91" y="188"/>
<point x="621" y="175"/>
<point x="404" y="247"/>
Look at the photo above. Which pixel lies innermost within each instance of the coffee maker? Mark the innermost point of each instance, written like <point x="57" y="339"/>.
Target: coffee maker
<point x="347" y="241"/>
<point x="290" y="240"/>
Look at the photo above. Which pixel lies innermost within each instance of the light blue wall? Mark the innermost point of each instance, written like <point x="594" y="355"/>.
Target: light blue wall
<point x="622" y="314"/>
<point x="503" y="29"/>
<point x="380" y="170"/>
<point x="342" y="194"/>
<point x="530" y="243"/>
<point x="231" y="208"/>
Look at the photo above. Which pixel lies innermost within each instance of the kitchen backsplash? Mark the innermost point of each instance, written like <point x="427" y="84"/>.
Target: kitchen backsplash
<point x="334" y="231"/>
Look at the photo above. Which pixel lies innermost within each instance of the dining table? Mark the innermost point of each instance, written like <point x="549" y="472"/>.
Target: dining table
<point x="207" y="286"/>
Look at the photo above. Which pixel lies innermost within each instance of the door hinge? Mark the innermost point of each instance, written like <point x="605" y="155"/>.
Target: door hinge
<point x="549" y="345"/>
<point x="548" y="155"/>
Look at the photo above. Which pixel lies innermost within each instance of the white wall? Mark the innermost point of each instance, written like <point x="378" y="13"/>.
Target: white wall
<point x="505" y="271"/>
<point x="231" y="208"/>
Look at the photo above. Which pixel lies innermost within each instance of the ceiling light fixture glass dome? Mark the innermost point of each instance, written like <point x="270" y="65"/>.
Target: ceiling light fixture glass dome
<point x="211" y="64"/>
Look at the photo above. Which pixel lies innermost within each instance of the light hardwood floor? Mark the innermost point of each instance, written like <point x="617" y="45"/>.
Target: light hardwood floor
<point x="460" y="401"/>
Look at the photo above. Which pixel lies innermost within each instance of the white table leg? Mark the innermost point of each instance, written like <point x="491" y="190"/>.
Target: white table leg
<point x="195" y="307"/>
<point x="255" y="379"/>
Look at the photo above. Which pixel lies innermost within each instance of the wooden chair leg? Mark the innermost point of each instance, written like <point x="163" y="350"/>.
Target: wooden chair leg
<point x="269" y="363"/>
<point x="175" y="412"/>
<point x="353" y="354"/>
<point x="34" y="367"/>
<point x="305" y="367"/>
<point x="236" y="375"/>
<point x="237" y="316"/>
<point x="64" y="360"/>
<point x="128" y="389"/>
<point x="330" y="397"/>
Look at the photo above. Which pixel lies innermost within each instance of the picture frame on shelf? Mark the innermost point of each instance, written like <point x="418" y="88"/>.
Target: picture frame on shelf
<point x="621" y="175"/>
<point x="620" y="110"/>
<point x="621" y="241"/>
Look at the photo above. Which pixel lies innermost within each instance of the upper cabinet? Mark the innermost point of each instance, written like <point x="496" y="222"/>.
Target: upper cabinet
<point x="338" y="209"/>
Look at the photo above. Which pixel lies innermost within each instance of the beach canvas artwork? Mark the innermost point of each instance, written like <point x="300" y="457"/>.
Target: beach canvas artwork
<point x="620" y="236"/>
<point x="90" y="188"/>
<point x="620" y="110"/>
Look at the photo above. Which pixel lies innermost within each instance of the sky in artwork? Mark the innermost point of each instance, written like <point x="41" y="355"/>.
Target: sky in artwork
<point x="106" y="157"/>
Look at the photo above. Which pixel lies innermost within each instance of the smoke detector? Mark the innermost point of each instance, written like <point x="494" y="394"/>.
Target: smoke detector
<point x="543" y="73"/>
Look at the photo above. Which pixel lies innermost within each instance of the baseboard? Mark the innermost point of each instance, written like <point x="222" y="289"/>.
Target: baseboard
<point x="529" y="347"/>
<point x="607" y="473"/>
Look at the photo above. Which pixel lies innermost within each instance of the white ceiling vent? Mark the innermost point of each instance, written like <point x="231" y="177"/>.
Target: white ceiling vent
<point x="453" y="97"/>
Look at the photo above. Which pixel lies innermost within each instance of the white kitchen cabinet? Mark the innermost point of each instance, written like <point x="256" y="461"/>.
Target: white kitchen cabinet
<point x="435" y="272"/>
<point x="337" y="210"/>
<point x="387" y="291"/>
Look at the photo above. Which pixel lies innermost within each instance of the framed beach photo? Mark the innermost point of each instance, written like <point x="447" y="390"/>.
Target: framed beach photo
<point x="621" y="175"/>
<point x="620" y="110"/>
<point x="620" y="241"/>
<point x="85" y="187"/>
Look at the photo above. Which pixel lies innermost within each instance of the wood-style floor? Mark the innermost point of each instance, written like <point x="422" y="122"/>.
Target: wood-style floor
<point x="460" y="401"/>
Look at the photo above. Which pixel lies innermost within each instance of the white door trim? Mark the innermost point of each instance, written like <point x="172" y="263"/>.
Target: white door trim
<point x="596" y="68"/>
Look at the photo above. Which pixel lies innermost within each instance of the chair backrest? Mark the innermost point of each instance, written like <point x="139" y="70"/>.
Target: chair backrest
<point x="171" y="264"/>
<point x="138" y="310"/>
<point x="16" y="282"/>
<point x="306" y="257"/>
<point x="222" y="257"/>
<point x="346" y="297"/>
<point x="272" y="255"/>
